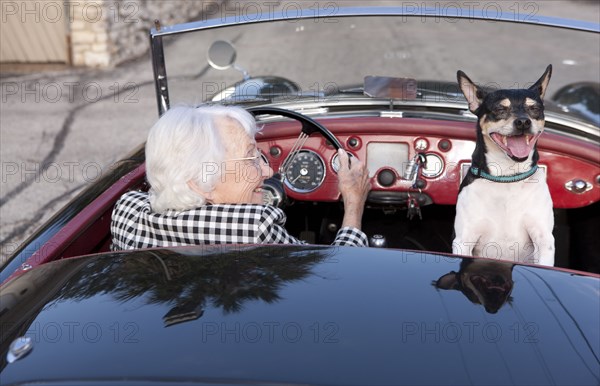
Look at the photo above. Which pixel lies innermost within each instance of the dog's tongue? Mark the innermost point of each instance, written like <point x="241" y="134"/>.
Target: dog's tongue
<point x="518" y="146"/>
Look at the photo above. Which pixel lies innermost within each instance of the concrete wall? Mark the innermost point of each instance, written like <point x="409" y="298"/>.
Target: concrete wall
<point x="105" y="33"/>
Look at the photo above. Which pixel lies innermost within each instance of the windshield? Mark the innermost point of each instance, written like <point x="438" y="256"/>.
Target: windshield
<point x="334" y="54"/>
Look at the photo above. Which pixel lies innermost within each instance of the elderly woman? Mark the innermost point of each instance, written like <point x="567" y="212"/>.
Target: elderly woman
<point x="206" y="173"/>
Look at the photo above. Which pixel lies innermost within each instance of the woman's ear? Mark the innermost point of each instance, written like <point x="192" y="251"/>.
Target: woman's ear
<point x="208" y="196"/>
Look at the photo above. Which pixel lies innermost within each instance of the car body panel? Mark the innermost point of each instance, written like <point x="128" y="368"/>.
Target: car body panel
<point x="297" y="315"/>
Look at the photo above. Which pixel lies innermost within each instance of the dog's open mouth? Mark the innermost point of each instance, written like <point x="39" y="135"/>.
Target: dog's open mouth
<point x="516" y="146"/>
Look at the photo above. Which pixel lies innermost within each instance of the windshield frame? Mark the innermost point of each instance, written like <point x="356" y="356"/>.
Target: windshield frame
<point x="271" y="15"/>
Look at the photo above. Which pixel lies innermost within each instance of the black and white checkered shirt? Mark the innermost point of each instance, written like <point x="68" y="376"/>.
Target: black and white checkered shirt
<point x="135" y="226"/>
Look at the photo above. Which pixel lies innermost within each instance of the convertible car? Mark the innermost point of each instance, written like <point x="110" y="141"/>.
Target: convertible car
<point x="379" y="83"/>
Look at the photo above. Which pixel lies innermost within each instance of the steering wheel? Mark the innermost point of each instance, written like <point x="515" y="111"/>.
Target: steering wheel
<point x="273" y="190"/>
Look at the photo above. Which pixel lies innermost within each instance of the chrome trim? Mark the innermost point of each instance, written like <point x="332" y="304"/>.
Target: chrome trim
<point x="323" y="13"/>
<point x="335" y="159"/>
<point x="26" y="267"/>
<point x="314" y="111"/>
<point x="578" y="186"/>
<point x="391" y="114"/>
<point x="573" y="123"/>
<point x="308" y="107"/>
<point x="19" y="348"/>
<point x="160" y="73"/>
<point x="433" y="174"/>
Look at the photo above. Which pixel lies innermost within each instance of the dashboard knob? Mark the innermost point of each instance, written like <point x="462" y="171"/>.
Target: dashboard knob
<point x="386" y="177"/>
<point x="275" y="151"/>
<point x="273" y="191"/>
<point x="377" y="241"/>
<point x="444" y="145"/>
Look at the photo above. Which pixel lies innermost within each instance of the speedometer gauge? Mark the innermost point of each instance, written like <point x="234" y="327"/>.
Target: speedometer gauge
<point x="306" y="172"/>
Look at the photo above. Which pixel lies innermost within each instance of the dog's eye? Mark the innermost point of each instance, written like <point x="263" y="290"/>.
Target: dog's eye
<point x="535" y="109"/>
<point x="499" y="111"/>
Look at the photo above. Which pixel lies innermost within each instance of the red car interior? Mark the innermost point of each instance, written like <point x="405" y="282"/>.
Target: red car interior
<point x="564" y="158"/>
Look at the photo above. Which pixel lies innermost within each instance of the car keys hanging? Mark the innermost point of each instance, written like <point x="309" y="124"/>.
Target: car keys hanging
<point x="413" y="208"/>
<point x="413" y="168"/>
<point x="411" y="173"/>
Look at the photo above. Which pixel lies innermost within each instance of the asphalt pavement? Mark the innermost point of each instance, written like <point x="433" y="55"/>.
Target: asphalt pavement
<point x="60" y="130"/>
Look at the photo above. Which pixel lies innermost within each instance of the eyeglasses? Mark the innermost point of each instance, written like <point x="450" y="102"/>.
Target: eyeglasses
<point x="255" y="159"/>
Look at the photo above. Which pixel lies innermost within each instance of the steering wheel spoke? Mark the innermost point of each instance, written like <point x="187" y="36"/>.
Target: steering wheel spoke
<point x="298" y="145"/>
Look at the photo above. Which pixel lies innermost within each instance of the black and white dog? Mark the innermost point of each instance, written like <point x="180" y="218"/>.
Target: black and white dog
<point x="504" y="208"/>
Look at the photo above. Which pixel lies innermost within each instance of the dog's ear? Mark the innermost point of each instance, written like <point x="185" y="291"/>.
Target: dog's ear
<point x="542" y="84"/>
<point x="473" y="93"/>
<point x="448" y="281"/>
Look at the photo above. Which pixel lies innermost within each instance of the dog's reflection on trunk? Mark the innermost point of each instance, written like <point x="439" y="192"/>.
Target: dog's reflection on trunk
<point x="482" y="281"/>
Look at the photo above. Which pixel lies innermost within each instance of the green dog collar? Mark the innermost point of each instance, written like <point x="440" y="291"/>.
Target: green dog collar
<point x="504" y="179"/>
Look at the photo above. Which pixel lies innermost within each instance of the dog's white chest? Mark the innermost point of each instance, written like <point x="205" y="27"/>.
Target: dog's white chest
<point x="502" y="220"/>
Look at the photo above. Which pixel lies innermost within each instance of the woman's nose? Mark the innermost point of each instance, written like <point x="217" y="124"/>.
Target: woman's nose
<point x="266" y="171"/>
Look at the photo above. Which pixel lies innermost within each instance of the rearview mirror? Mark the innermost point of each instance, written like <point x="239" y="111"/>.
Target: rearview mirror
<point x="221" y="55"/>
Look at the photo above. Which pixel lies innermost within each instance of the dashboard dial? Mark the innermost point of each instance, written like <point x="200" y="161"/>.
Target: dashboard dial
<point x="335" y="161"/>
<point x="434" y="165"/>
<point x="306" y="172"/>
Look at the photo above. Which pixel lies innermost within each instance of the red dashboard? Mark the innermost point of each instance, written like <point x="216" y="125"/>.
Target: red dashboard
<point x="572" y="166"/>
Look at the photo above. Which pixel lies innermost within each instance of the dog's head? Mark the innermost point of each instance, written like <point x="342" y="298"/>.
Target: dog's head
<point x="512" y="119"/>
<point x="482" y="281"/>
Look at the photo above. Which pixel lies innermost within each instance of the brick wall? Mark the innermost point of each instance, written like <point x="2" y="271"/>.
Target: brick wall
<point x="105" y="33"/>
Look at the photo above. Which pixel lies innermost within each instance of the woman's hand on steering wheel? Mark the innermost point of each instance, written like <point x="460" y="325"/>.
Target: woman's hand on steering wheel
<point x="354" y="185"/>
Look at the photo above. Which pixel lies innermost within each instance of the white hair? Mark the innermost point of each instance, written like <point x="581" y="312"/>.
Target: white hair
<point x="186" y="144"/>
